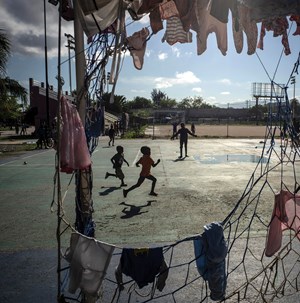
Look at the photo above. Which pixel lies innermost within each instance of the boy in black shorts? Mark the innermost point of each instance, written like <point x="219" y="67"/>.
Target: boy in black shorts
<point x="117" y="161"/>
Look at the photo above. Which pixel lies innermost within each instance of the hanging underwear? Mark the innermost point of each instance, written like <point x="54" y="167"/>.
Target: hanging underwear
<point x="297" y="20"/>
<point x="152" y="6"/>
<point x="143" y="265"/>
<point x="89" y="260"/>
<point x="187" y="14"/>
<point x="208" y="24"/>
<point x="242" y="24"/>
<point x="137" y="46"/>
<point x="168" y="9"/>
<point x="286" y="215"/>
<point x="279" y="27"/>
<point x="175" y="32"/>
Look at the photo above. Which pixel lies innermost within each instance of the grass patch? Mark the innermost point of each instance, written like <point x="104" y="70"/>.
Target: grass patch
<point x="136" y="132"/>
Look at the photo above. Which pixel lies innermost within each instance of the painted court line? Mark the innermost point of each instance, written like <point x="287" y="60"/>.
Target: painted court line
<point x="136" y="159"/>
<point x="22" y="158"/>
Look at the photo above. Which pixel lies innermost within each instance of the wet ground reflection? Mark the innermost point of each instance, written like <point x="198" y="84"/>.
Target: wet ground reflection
<point x="217" y="159"/>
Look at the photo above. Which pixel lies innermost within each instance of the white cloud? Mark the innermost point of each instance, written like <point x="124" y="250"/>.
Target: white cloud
<point x="148" y="53"/>
<point x="197" y="89"/>
<point x="186" y="77"/>
<point x="225" y="93"/>
<point x="179" y="79"/>
<point x="137" y="91"/>
<point x="211" y="99"/>
<point x="225" y="81"/>
<point x="162" y="56"/>
<point x="176" y="51"/>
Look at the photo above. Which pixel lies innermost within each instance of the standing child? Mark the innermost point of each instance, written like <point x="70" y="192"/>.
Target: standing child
<point x="117" y="161"/>
<point x="146" y="161"/>
<point x="183" y="132"/>
<point x="111" y="134"/>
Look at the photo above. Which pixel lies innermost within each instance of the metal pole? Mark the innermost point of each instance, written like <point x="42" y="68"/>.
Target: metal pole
<point x="46" y="67"/>
<point x="227" y="120"/>
<point x="153" y="128"/>
<point x="80" y="64"/>
<point x="70" y="71"/>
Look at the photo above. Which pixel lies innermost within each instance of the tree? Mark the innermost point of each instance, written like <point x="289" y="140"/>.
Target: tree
<point x="4" y="52"/>
<point x="10" y="110"/>
<point x="10" y="90"/>
<point x="118" y="106"/>
<point x="157" y="96"/>
<point x="139" y="102"/>
<point x="193" y="102"/>
<point x="168" y="103"/>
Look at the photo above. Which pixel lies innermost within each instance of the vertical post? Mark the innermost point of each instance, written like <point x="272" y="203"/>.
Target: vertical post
<point x="256" y="104"/>
<point x="46" y="67"/>
<point x="70" y="71"/>
<point x="153" y="128"/>
<point x="83" y="177"/>
<point x="80" y="64"/>
<point x="227" y="121"/>
<point x="293" y="81"/>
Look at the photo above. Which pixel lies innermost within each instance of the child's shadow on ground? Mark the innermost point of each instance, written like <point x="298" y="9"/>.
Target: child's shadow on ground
<point x="134" y="210"/>
<point x="179" y="159"/>
<point x="108" y="190"/>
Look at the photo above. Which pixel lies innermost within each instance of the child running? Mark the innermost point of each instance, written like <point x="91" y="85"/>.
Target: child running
<point x="117" y="161"/>
<point x="146" y="161"/>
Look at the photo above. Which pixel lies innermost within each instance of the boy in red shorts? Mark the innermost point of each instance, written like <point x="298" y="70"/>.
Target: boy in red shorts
<point x="147" y="162"/>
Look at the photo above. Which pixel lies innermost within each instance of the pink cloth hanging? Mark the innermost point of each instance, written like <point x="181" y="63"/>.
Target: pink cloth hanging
<point x="286" y="215"/>
<point x="74" y="153"/>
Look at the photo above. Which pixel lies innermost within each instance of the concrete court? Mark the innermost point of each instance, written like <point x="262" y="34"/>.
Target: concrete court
<point x="192" y="192"/>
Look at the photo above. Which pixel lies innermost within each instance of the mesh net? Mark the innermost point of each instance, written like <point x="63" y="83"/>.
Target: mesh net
<point x="251" y="276"/>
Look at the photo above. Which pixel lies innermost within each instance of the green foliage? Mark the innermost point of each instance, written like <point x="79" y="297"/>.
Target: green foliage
<point x="135" y="132"/>
<point x="139" y="102"/>
<point x="4" y="51"/>
<point x="157" y="96"/>
<point x="168" y="103"/>
<point x="10" y="110"/>
<point x="193" y="102"/>
<point x="10" y="90"/>
<point x="119" y="103"/>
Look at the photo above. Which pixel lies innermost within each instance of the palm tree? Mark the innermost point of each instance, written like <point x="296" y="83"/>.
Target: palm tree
<point x="8" y="87"/>
<point x="4" y="51"/>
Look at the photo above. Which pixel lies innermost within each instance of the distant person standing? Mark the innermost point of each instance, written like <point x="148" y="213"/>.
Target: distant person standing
<point x="116" y="128"/>
<point x="174" y="128"/>
<point x="147" y="162"/>
<point x="111" y="134"/>
<point x="17" y="128"/>
<point x="183" y="133"/>
<point x="193" y="128"/>
<point x="117" y="161"/>
<point x="42" y="136"/>
<point x="23" y="129"/>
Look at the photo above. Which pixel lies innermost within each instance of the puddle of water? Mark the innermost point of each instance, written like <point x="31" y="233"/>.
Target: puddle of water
<point x="217" y="159"/>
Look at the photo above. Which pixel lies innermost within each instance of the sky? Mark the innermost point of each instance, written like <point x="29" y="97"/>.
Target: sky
<point x="175" y="70"/>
